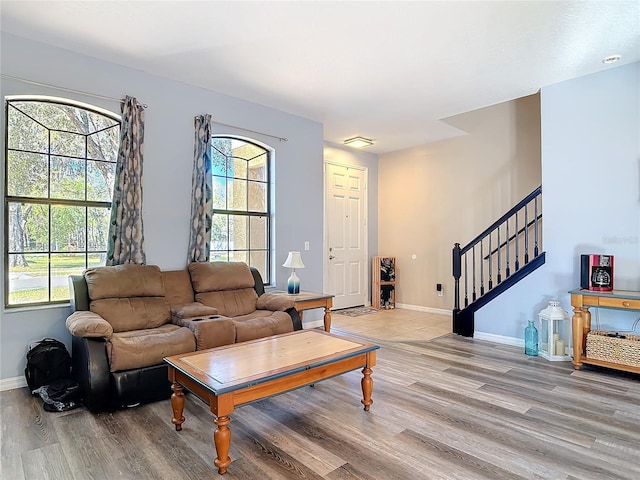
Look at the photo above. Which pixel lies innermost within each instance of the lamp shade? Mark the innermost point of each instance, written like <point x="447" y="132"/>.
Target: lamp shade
<point x="294" y="260"/>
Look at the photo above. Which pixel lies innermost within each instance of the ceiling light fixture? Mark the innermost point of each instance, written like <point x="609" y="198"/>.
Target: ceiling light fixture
<point x="611" y="59"/>
<point x="358" y="142"/>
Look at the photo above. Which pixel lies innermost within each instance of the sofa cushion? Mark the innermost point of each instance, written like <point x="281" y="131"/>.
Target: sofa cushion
<point x="141" y="348"/>
<point x="83" y="323"/>
<point x="262" y="324"/>
<point x="177" y="287"/>
<point x="216" y="276"/>
<point x="122" y="281"/>
<point x="136" y="313"/>
<point x="230" y="303"/>
<point x="210" y="331"/>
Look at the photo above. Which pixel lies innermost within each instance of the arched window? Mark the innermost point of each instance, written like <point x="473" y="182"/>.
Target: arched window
<point x="241" y="223"/>
<point x="60" y="162"/>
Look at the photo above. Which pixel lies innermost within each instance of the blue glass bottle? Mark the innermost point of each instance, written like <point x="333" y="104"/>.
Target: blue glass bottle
<point x="531" y="339"/>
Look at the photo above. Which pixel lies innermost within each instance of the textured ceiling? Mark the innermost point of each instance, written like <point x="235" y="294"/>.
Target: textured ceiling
<point x="389" y="70"/>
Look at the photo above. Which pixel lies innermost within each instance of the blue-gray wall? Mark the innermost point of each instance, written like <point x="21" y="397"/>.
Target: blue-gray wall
<point x="168" y="150"/>
<point x="590" y="197"/>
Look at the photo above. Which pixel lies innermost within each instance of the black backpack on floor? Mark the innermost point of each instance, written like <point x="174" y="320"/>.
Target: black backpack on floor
<point x="47" y="361"/>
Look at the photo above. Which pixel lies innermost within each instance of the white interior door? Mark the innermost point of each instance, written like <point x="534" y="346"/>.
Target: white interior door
<point x="346" y="234"/>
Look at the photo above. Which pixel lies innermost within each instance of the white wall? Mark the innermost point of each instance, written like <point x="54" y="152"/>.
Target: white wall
<point x="590" y="197"/>
<point x="168" y="159"/>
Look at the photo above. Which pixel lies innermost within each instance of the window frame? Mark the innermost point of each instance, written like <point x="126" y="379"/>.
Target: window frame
<point x="49" y="201"/>
<point x="268" y="215"/>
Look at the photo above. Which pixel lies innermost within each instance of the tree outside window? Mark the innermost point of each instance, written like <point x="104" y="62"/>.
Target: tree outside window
<point x="60" y="166"/>
<point x="240" y="230"/>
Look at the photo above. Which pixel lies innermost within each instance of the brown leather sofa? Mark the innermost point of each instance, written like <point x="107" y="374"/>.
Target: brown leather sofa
<point x="127" y="318"/>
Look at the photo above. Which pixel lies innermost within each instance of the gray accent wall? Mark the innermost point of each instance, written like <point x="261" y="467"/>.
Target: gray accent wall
<point x="168" y="161"/>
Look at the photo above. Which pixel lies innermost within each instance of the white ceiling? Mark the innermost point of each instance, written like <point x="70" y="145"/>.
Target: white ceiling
<point x="385" y="70"/>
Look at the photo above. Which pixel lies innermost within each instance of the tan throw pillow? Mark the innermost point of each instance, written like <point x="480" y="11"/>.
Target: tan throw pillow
<point x="88" y="324"/>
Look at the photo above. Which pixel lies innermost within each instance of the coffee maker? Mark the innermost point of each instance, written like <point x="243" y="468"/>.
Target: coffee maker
<point x="596" y="272"/>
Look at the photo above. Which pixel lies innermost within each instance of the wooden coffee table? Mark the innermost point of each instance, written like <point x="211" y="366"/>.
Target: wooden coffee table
<point x="232" y="375"/>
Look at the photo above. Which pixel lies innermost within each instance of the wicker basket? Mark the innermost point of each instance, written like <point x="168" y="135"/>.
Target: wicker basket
<point x="606" y="346"/>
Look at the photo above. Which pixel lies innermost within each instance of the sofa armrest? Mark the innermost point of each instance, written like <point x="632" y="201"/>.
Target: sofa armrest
<point x="273" y="302"/>
<point x="88" y="324"/>
<point x="295" y="318"/>
<point x="90" y="368"/>
<point x="210" y="331"/>
<point x="189" y="310"/>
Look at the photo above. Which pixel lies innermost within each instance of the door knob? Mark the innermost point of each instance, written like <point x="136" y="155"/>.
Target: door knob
<point x="331" y="257"/>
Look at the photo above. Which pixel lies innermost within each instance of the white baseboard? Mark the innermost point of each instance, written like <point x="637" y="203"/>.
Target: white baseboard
<point x="313" y="324"/>
<point x="12" y="383"/>
<point x="490" y="337"/>
<point x="418" y="308"/>
<point x="19" y="382"/>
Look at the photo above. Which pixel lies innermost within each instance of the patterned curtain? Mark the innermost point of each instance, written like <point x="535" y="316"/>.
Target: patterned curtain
<point x="202" y="201"/>
<point x="126" y="236"/>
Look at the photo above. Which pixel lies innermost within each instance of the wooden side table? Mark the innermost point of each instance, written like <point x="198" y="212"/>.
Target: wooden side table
<point x="309" y="300"/>
<point x="581" y="300"/>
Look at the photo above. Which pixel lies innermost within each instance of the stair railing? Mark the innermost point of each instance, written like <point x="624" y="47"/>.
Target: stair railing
<point x="499" y="253"/>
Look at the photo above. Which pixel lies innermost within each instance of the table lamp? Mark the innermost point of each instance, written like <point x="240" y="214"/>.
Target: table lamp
<point x="293" y="261"/>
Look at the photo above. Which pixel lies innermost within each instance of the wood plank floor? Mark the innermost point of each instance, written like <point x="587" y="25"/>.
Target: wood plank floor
<point x="444" y="408"/>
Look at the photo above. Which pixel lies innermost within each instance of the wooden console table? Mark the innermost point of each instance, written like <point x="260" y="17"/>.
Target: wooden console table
<point x="581" y="300"/>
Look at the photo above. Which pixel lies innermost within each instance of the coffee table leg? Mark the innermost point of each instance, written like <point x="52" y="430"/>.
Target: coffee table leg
<point x="222" y="439"/>
<point x="177" y="404"/>
<point x="367" y="388"/>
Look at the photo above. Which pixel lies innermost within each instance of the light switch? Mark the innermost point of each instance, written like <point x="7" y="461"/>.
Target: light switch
<point x="306" y="245"/>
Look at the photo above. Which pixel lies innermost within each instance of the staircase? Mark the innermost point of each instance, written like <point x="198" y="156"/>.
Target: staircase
<point x="496" y="259"/>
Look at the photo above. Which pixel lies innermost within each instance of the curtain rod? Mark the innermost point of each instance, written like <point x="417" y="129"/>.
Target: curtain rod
<point x="282" y="139"/>
<point x="104" y="97"/>
<point x="48" y="85"/>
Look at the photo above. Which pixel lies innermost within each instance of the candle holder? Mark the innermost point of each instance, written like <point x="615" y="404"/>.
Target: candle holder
<point x="554" y="333"/>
